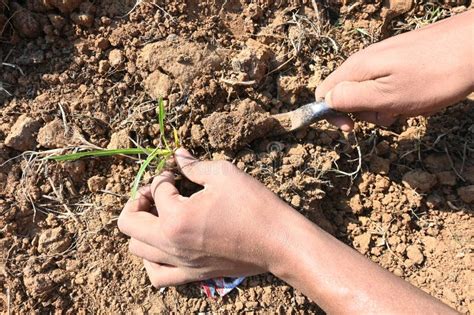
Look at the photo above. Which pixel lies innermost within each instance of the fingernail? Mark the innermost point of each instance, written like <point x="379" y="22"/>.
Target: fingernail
<point x="183" y="154"/>
<point x="346" y="128"/>
<point x="328" y="99"/>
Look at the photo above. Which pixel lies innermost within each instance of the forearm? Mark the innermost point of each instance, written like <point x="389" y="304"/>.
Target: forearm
<point x="341" y="280"/>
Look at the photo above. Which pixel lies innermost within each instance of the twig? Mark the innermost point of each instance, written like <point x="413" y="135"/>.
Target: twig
<point x="11" y="65"/>
<point x="8" y="301"/>
<point x="61" y="200"/>
<point x="63" y="115"/>
<point x="452" y="164"/>
<point x="238" y="83"/>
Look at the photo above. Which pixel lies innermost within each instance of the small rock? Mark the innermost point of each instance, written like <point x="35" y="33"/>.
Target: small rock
<point x="414" y="254"/>
<point x="419" y="180"/>
<point x="158" y="85"/>
<point x="53" y="241"/>
<point x="96" y="183"/>
<point x="119" y="140"/>
<point x="22" y="134"/>
<point x="466" y="193"/>
<point x="116" y="58"/>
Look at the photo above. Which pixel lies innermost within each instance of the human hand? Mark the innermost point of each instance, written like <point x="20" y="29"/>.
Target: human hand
<point x="416" y="73"/>
<point x="227" y="229"/>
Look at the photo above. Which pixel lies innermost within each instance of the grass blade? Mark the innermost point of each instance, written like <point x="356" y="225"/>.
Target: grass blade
<point x="102" y="153"/>
<point x="161" y="120"/>
<point x="153" y="155"/>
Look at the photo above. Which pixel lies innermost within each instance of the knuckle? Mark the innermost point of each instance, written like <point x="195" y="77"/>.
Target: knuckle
<point x="225" y="167"/>
<point x="175" y="228"/>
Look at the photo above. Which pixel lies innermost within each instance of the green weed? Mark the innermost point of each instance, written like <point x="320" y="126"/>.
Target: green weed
<point x="156" y="156"/>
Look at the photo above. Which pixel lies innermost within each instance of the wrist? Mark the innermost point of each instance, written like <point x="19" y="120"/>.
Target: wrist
<point x="294" y="233"/>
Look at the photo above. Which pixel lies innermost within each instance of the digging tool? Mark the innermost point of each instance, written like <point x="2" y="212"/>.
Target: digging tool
<point x="303" y="117"/>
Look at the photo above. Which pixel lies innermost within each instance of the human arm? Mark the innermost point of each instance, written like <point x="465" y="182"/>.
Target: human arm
<point x="235" y="227"/>
<point x="415" y="73"/>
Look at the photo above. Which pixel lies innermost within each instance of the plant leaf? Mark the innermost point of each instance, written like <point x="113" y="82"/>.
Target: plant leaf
<point x="102" y="153"/>
<point x="141" y="171"/>
<point x="176" y="138"/>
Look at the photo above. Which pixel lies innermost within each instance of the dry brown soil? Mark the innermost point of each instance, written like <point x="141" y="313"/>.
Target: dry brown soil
<point x="91" y="75"/>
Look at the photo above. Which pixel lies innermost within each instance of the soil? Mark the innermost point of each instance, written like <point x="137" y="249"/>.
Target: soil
<point x="89" y="74"/>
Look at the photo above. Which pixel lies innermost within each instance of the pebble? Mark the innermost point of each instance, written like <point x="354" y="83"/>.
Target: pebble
<point x="116" y="58"/>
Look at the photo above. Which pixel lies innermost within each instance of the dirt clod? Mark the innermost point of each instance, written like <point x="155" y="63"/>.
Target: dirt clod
<point x="466" y="193"/>
<point x="182" y="60"/>
<point x="116" y="58"/>
<point x="119" y="140"/>
<point x="53" y="135"/>
<point x="158" y="85"/>
<point x="38" y="284"/>
<point x="415" y="255"/>
<point x="419" y="180"/>
<point x="54" y="241"/>
<point x="234" y="130"/>
<point x="252" y="62"/>
<point x="22" y="134"/>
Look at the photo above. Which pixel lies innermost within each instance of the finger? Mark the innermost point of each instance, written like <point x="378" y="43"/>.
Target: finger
<point x="141" y="225"/>
<point x="146" y="192"/>
<point x="136" y="221"/>
<point x="163" y="190"/>
<point x="380" y="119"/>
<point x="342" y="122"/>
<point x="164" y="276"/>
<point x="149" y="252"/>
<point x="355" y="68"/>
<point x="195" y="170"/>
<point x="350" y="96"/>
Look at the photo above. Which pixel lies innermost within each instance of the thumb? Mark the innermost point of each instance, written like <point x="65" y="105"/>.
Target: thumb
<point x="191" y="167"/>
<point x="350" y="96"/>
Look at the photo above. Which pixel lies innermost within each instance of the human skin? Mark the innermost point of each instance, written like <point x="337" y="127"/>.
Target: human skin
<point x="415" y="73"/>
<point x="235" y="226"/>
